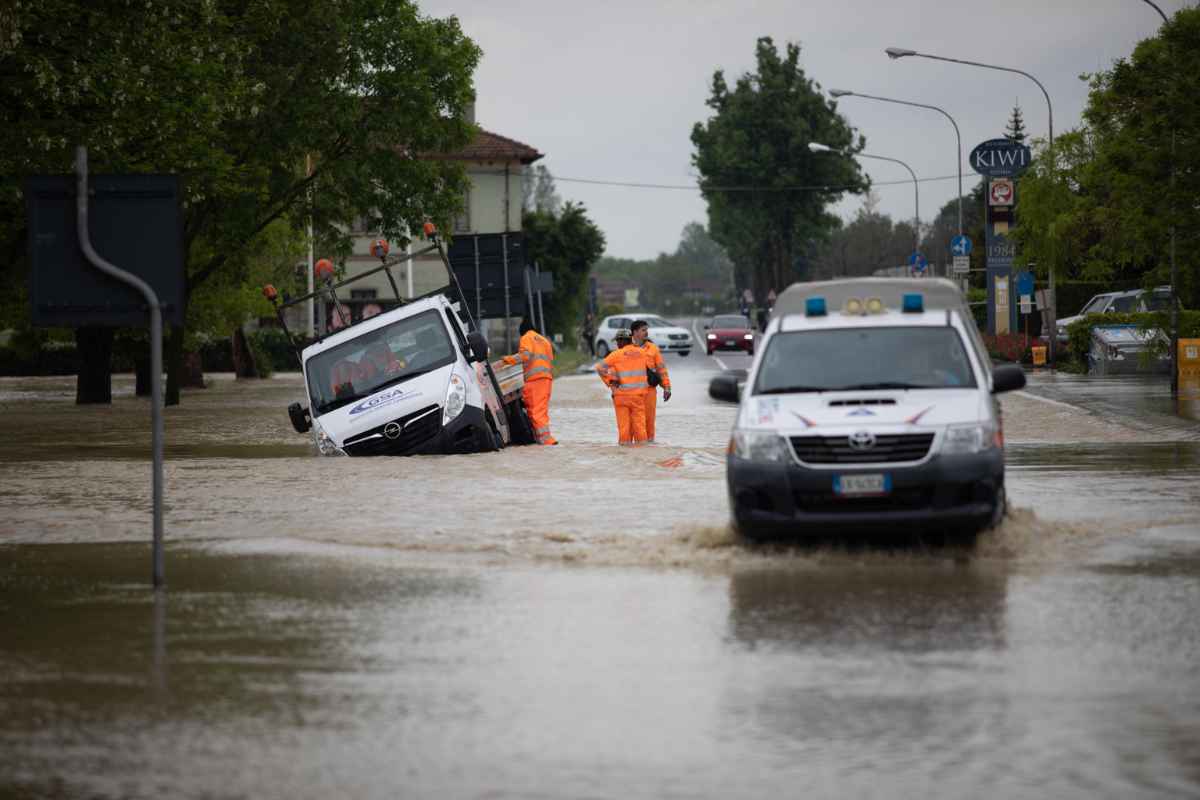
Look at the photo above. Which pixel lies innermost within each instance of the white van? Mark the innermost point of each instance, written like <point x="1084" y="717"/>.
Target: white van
<point x="870" y="405"/>
<point x="411" y="380"/>
<point x="407" y="381"/>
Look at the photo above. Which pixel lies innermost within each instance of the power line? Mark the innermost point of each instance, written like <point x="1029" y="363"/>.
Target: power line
<point x="698" y="188"/>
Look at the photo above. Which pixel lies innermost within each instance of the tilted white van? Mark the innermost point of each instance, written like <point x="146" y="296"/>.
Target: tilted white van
<point x="871" y="405"/>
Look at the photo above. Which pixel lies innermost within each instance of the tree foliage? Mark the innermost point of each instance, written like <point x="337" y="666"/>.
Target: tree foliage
<point x="235" y="96"/>
<point x="538" y="192"/>
<point x="697" y="273"/>
<point x="566" y="245"/>
<point x="758" y="137"/>
<point x="1105" y="208"/>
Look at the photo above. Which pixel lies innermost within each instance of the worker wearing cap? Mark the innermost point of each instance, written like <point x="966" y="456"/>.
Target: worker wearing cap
<point x="624" y="372"/>
<point x="536" y="356"/>
<point x="656" y="366"/>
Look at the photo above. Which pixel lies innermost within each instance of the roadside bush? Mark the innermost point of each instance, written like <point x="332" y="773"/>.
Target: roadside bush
<point x="1012" y="347"/>
<point x="271" y="345"/>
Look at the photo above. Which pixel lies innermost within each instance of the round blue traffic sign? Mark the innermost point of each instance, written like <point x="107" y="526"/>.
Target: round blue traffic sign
<point x="960" y="245"/>
<point x="1024" y="283"/>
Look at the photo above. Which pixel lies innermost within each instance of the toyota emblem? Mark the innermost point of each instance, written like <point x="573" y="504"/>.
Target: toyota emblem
<point x="392" y="430"/>
<point x="862" y="440"/>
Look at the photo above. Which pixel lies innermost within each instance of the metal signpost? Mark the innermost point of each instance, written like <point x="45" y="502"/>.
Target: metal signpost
<point x="136" y="221"/>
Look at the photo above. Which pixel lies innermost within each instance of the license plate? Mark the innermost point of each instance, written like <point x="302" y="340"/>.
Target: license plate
<point x="859" y="485"/>
<point x="730" y="342"/>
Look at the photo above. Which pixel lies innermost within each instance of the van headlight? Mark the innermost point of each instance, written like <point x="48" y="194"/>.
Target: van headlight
<point x="968" y="439"/>
<point x="325" y="443"/>
<point x="456" y="399"/>
<point x="761" y="446"/>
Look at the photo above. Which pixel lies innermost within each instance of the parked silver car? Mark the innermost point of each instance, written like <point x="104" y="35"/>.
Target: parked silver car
<point x="1130" y="302"/>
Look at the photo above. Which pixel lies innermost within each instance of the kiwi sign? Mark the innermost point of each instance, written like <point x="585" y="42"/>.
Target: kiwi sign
<point x="1000" y="158"/>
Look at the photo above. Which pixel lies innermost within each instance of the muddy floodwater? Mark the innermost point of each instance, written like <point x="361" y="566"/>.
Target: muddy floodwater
<point x="579" y="621"/>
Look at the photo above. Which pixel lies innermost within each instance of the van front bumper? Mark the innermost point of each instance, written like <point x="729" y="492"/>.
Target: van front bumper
<point x="469" y="432"/>
<point x="945" y="492"/>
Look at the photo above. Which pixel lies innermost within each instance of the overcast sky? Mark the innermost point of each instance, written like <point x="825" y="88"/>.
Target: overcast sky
<point x="610" y="91"/>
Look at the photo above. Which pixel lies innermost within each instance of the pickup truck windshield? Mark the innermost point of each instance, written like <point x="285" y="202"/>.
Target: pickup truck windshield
<point x="376" y="359"/>
<point x="847" y="359"/>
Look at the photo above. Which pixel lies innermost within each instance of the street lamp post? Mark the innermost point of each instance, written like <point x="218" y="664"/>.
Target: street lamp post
<point x="901" y="52"/>
<point x="957" y="135"/>
<point x="820" y="148"/>
<point x="1174" y="275"/>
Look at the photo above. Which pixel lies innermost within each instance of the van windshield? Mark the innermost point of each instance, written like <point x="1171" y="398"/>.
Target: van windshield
<point x="379" y="358"/>
<point x="846" y="359"/>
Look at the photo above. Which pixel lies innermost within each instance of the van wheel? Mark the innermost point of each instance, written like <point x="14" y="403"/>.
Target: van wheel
<point x="602" y="349"/>
<point x="1001" y="509"/>
<point x="497" y="439"/>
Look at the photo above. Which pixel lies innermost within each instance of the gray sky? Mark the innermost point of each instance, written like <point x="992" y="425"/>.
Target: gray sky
<point x="610" y="91"/>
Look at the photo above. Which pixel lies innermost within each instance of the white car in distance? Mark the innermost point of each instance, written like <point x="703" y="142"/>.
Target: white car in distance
<point x="669" y="337"/>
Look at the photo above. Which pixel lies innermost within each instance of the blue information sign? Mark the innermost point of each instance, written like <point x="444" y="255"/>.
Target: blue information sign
<point x="1024" y="283"/>
<point x="960" y="246"/>
<point x="918" y="262"/>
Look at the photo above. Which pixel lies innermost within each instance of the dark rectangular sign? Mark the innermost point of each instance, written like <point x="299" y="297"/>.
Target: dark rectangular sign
<point x="484" y="265"/>
<point x="135" y="223"/>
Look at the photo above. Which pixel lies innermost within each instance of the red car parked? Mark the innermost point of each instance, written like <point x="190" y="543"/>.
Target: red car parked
<point x="729" y="332"/>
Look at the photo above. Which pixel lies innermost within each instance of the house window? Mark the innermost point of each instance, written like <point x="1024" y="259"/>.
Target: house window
<point x="462" y="222"/>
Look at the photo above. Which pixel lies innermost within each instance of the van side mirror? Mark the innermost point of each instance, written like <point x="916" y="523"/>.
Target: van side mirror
<point x="724" y="387"/>
<point x="301" y="419"/>
<point x="1007" y="378"/>
<point x="479" y="347"/>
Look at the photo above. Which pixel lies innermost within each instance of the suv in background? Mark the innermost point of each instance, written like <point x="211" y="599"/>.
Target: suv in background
<point x="1130" y="302"/>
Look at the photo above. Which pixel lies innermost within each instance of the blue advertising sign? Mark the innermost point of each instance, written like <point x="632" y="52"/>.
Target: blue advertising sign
<point x="1000" y="158"/>
<point x="960" y="245"/>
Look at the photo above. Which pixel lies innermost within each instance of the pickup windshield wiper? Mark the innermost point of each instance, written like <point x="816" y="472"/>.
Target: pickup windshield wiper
<point x="883" y="385"/>
<point x="791" y="389"/>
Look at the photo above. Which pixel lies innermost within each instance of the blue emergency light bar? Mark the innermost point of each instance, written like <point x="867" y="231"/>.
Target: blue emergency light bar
<point x="814" y="307"/>
<point x="914" y="302"/>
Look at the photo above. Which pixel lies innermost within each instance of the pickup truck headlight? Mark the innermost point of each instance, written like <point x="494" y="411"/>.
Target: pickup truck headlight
<point x="761" y="446"/>
<point x="456" y="399"/>
<point x="969" y="439"/>
<point x="325" y="443"/>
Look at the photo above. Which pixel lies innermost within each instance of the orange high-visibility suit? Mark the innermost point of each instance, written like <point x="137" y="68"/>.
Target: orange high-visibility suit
<point x="624" y="371"/>
<point x="654" y="361"/>
<point x="536" y="355"/>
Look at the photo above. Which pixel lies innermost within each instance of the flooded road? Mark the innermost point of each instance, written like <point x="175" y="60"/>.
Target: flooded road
<point x="578" y="621"/>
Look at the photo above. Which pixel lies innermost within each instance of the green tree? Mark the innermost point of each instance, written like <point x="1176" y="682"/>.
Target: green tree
<point x="567" y="246"/>
<point x="538" y="192"/>
<point x="1107" y="208"/>
<point x="1015" y="132"/>
<point x="758" y="137"/>
<point x="235" y="96"/>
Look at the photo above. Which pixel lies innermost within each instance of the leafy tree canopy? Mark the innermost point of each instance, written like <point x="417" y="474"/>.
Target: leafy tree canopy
<point x="236" y="96"/>
<point x="758" y="137"/>
<point x="1105" y="208"/>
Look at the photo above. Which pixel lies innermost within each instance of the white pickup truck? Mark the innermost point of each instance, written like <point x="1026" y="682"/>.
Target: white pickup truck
<point x="412" y="380"/>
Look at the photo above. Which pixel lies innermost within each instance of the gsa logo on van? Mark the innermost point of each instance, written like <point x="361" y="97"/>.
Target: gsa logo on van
<point x="381" y="400"/>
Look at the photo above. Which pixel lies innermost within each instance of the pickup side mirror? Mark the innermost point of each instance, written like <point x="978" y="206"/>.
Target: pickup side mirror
<point x="479" y="347"/>
<point x="1007" y="377"/>
<point x="724" y="387"/>
<point x="301" y="419"/>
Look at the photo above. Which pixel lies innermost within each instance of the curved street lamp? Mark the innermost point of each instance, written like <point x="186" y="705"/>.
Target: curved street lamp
<point x="957" y="135"/>
<point x="821" y="148"/>
<point x="903" y="52"/>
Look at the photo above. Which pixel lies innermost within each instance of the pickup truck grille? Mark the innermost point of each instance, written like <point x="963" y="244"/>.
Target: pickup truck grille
<point x="889" y="448"/>
<point x="415" y="429"/>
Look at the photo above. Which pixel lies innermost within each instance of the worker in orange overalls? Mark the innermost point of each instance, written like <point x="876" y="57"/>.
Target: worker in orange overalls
<point x="624" y="372"/>
<point x="536" y="355"/>
<point x="656" y="365"/>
